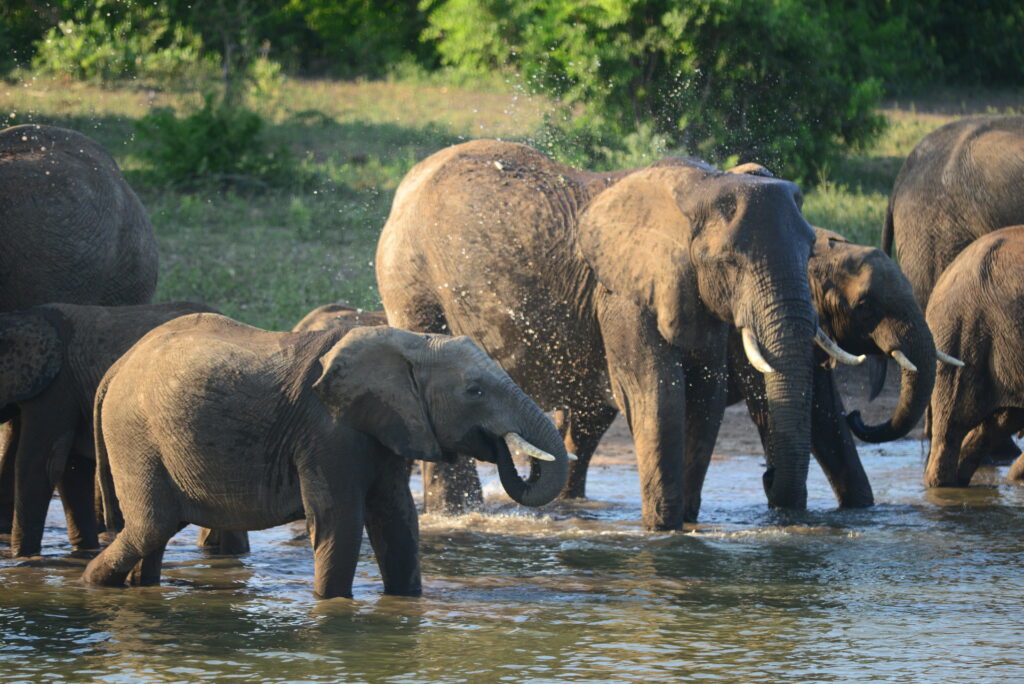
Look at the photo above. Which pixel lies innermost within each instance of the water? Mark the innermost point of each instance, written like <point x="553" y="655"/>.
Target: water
<point x="923" y="587"/>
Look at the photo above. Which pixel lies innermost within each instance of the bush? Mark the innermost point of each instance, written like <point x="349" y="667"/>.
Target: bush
<point x="766" y="81"/>
<point x="216" y="143"/>
<point x="110" y="41"/>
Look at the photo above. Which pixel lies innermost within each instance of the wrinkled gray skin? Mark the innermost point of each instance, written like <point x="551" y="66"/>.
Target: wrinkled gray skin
<point x="72" y="231"/>
<point x="52" y="358"/>
<point x="960" y="182"/>
<point x="865" y="304"/>
<point x="213" y="422"/>
<point x="601" y="292"/>
<point x="975" y="313"/>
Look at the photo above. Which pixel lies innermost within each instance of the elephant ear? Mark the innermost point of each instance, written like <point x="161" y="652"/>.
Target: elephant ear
<point x="31" y="355"/>
<point x="636" y="240"/>
<point x="752" y="169"/>
<point x="369" y="379"/>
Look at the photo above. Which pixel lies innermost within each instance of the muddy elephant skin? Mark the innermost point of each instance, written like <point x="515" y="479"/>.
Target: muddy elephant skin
<point x="607" y="292"/>
<point x="210" y="421"/>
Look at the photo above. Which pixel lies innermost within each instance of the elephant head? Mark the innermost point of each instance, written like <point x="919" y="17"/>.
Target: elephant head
<point x="422" y="395"/>
<point x="702" y="250"/>
<point x="866" y="303"/>
<point x="31" y="354"/>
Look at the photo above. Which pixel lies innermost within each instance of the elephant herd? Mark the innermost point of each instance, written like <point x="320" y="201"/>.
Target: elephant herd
<point x="665" y="293"/>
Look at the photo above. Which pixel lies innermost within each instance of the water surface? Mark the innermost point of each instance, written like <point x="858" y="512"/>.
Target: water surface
<point x="923" y="587"/>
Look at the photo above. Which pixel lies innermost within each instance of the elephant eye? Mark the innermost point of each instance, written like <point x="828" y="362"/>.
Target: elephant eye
<point x="474" y="390"/>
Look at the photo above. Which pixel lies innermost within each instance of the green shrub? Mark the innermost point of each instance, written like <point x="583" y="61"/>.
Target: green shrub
<point x="215" y="143"/>
<point x="109" y="41"/>
<point x="757" y="80"/>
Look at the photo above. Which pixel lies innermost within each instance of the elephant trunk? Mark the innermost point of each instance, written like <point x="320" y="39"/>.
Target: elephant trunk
<point x="786" y="329"/>
<point x="547" y="478"/>
<point x="917" y="346"/>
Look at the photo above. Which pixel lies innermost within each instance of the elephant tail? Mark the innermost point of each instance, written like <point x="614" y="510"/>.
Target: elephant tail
<point x="111" y="509"/>
<point x="887" y="229"/>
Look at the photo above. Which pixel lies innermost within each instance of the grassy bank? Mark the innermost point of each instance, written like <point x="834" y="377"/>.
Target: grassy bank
<point x="267" y="255"/>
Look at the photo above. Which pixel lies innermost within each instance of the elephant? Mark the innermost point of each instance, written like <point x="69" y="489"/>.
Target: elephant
<point x="866" y="305"/>
<point x="607" y="292"/>
<point x="73" y="231"/>
<point x="53" y="357"/>
<point x="960" y="182"/>
<point x="210" y="421"/>
<point x="975" y="312"/>
<point x="339" y="315"/>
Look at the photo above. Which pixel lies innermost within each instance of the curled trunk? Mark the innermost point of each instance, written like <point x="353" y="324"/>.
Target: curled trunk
<point x="915" y="390"/>
<point x="547" y="478"/>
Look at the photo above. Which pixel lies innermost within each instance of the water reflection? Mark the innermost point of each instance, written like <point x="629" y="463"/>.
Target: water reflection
<point x="925" y="579"/>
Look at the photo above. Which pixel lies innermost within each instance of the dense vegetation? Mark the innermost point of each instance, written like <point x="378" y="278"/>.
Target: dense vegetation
<point x="788" y="83"/>
<point x="268" y="180"/>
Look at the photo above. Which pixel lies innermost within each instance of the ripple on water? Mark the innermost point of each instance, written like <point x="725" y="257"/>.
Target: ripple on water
<point x="573" y="591"/>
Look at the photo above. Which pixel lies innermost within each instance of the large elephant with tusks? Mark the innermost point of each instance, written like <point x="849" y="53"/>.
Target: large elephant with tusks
<point x="607" y="292"/>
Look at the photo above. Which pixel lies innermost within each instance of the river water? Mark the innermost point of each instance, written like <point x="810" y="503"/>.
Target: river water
<point x="925" y="586"/>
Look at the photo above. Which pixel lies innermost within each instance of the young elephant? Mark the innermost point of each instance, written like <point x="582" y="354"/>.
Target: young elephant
<point x="213" y="422"/>
<point x="976" y="312"/>
<point x="52" y="358"/>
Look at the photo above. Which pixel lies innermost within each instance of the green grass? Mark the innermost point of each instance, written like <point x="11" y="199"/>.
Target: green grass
<point x="267" y="255"/>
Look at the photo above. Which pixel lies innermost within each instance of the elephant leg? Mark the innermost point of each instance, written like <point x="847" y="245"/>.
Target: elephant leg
<point x="146" y="572"/>
<point x="989" y="443"/>
<point x="77" y="488"/>
<point x="393" y="529"/>
<point x="582" y="429"/>
<point x="451" y="487"/>
<point x="833" y="446"/>
<point x="996" y="430"/>
<point x="223" y="542"/>
<point x="43" y="447"/>
<point x="334" y="500"/>
<point x="943" y="469"/>
<point x="8" y="451"/>
<point x="648" y="382"/>
<point x="706" y="394"/>
<point x="126" y="555"/>
<point x="335" y="552"/>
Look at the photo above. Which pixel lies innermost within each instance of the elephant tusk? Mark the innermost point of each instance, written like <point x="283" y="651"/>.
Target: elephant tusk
<point x="835" y="351"/>
<point x="904" y="362"/>
<point x="946" y="358"/>
<point x="754" y="352"/>
<point x="572" y="456"/>
<point x="517" y="443"/>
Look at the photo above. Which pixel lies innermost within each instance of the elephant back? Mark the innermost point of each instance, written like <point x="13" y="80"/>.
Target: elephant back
<point x="73" y="230"/>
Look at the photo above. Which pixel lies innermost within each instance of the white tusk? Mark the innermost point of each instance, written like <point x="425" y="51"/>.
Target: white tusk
<point x="835" y="351"/>
<point x="572" y="456"/>
<point x="904" y="362"/>
<point x="946" y="358"/>
<point x="754" y="352"/>
<point x="517" y="443"/>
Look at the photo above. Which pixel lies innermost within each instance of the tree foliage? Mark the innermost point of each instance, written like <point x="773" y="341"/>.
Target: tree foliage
<point x="752" y="79"/>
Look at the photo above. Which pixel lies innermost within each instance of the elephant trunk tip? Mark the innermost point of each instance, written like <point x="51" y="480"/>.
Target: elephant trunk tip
<point x="873" y="434"/>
